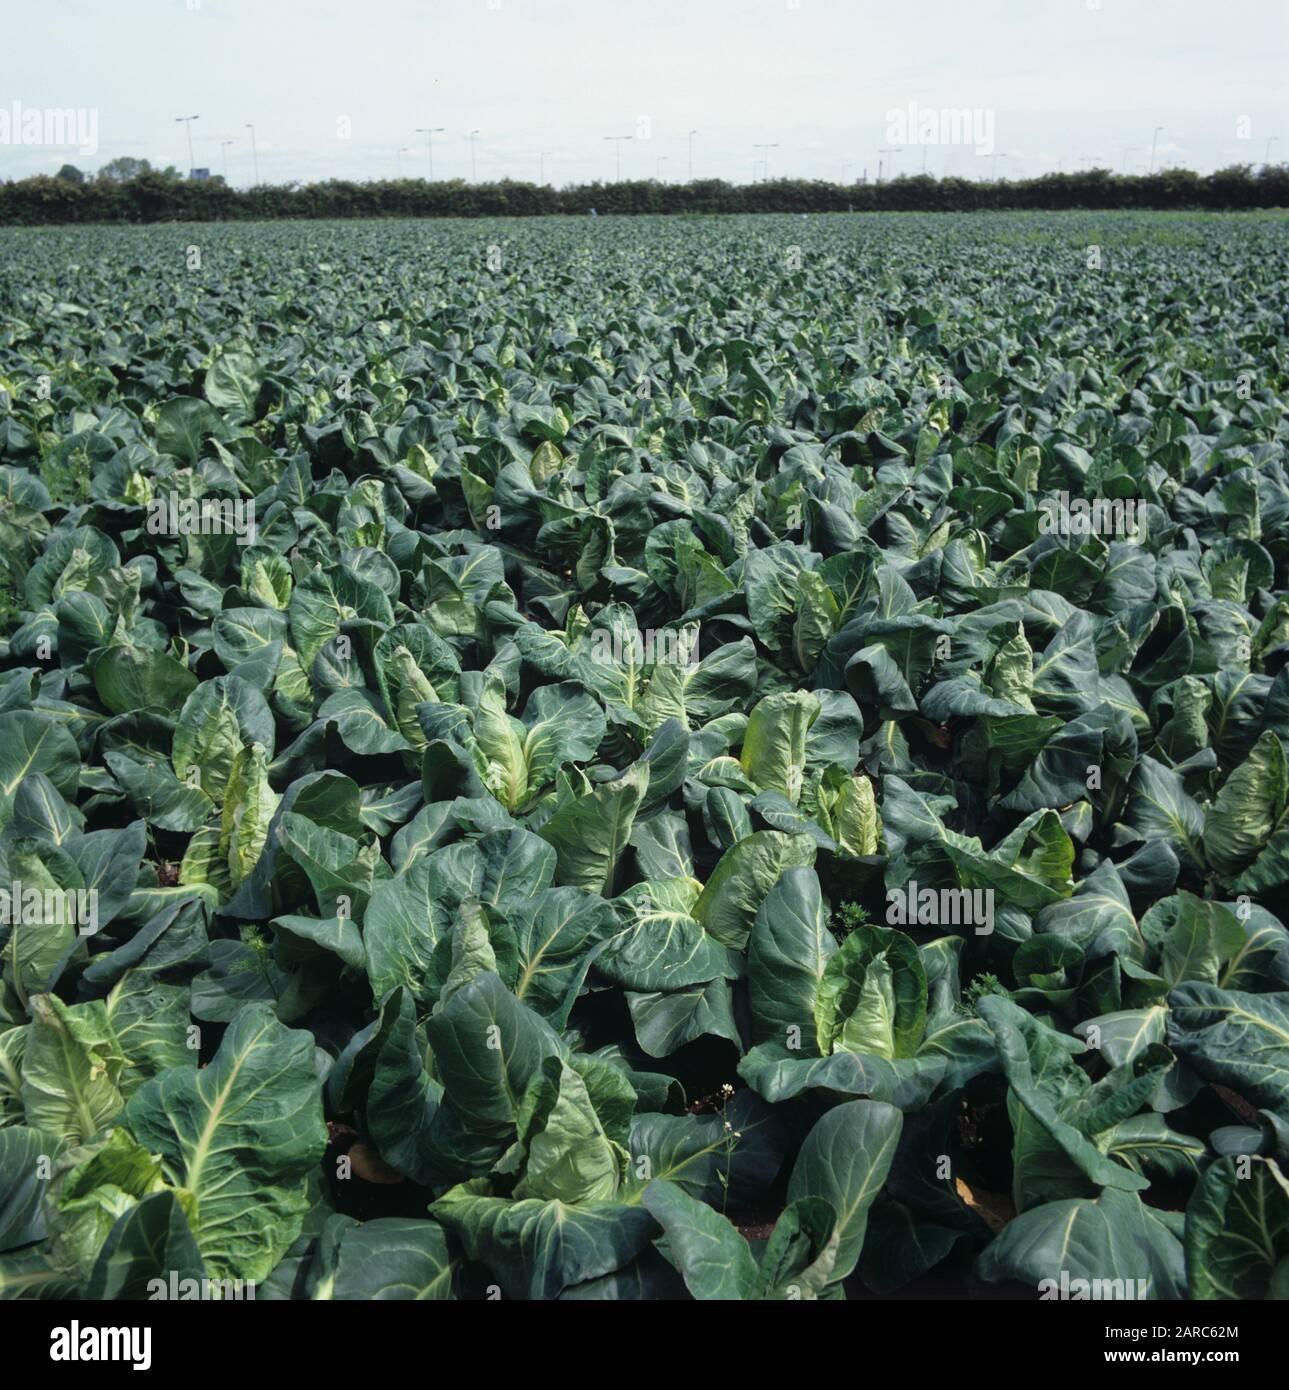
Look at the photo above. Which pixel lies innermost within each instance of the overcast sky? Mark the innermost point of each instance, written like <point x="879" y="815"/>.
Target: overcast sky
<point x="1063" y="82"/>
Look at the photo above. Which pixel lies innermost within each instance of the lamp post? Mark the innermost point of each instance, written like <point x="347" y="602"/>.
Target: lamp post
<point x="541" y="166"/>
<point x="765" y="159"/>
<point x="223" y="146"/>
<point x="430" y="131"/>
<point x="188" y="120"/>
<point x="1271" y="140"/>
<point x="617" y="145"/>
<point x="657" y="173"/>
<point x="474" y="171"/>
<point x="1154" y="140"/>
<point x="255" y="158"/>
<point x="692" y="133"/>
<point x="887" y="149"/>
<point x="405" y="149"/>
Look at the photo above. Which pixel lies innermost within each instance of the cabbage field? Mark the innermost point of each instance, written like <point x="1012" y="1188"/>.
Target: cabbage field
<point x="717" y="758"/>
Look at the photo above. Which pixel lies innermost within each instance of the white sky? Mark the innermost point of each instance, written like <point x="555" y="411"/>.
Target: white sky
<point x="1067" y="81"/>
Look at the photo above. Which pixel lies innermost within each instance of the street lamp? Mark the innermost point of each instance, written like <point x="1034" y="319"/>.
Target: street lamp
<point x="254" y="154"/>
<point x="430" y="131"/>
<point x="887" y="149"/>
<point x="541" y="166"/>
<point x="1123" y="163"/>
<point x="765" y="159"/>
<point x="188" y="120"/>
<point x="692" y="133"/>
<point x="657" y="173"/>
<point x="1271" y="140"/>
<point x="1153" y="141"/>
<point x="406" y="149"/>
<point x="223" y="145"/>
<point x="474" y="172"/>
<point x="617" y="145"/>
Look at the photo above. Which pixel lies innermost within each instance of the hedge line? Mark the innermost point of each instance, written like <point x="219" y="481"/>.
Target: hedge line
<point x="154" y="197"/>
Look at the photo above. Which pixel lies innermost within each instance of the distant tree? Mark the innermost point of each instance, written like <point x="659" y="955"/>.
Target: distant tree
<point x="69" y="173"/>
<point x="123" y="169"/>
